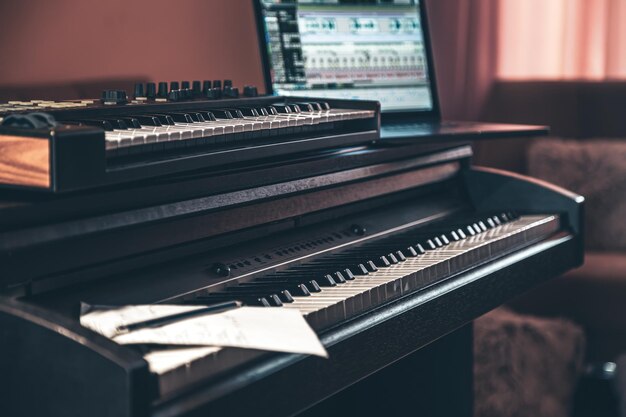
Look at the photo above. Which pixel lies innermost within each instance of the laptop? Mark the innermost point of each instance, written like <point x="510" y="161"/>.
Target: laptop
<point x="370" y="50"/>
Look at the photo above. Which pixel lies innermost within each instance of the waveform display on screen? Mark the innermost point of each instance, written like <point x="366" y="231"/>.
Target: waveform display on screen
<point x="376" y="49"/>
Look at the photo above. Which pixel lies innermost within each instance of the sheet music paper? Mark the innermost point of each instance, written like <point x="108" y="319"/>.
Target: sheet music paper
<point x="164" y="360"/>
<point x="263" y="328"/>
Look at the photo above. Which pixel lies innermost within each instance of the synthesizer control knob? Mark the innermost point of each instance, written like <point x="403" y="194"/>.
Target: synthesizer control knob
<point x="139" y="92"/>
<point x="184" y="84"/>
<point x="162" y="94"/>
<point x="250" y="91"/>
<point x="358" y="230"/>
<point x="206" y="86"/>
<point x="185" y="93"/>
<point x="196" y="88"/>
<point x="213" y="93"/>
<point x="217" y="84"/>
<point x="174" y="95"/>
<point x="231" y="92"/>
<point x="174" y="86"/>
<point x="228" y="83"/>
<point x="151" y="91"/>
<point x="221" y="270"/>
<point x="114" y="97"/>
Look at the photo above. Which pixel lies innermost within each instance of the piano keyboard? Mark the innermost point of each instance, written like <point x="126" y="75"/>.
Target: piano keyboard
<point x="150" y="132"/>
<point x="331" y="289"/>
<point x="128" y="141"/>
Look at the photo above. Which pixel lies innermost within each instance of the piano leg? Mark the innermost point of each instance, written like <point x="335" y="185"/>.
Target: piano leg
<point x="436" y="380"/>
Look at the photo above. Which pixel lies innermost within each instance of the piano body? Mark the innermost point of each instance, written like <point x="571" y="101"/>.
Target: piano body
<point x="389" y="252"/>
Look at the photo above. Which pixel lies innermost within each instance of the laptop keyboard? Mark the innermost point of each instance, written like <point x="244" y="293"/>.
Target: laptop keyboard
<point x="417" y="126"/>
<point x="407" y="126"/>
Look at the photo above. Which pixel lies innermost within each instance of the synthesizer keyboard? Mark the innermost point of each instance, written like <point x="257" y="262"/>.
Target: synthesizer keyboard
<point x="70" y="145"/>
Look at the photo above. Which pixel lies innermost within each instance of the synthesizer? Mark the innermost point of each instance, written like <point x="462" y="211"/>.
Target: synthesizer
<point x="163" y="130"/>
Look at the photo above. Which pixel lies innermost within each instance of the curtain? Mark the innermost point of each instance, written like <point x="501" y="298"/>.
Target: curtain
<point x="464" y="35"/>
<point x="562" y="39"/>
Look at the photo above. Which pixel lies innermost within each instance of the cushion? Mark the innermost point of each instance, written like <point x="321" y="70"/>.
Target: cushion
<point x="525" y="366"/>
<point x="596" y="169"/>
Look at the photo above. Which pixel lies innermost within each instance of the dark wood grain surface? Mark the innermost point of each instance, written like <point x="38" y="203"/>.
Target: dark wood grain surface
<point x="24" y="161"/>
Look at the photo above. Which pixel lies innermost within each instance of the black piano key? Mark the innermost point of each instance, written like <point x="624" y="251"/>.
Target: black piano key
<point x="236" y="113"/>
<point x="273" y="298"/>
<point x="299" y="290"/>
<point x="310" y="284"/>
<point x="222" y="114"/>
<point x="400" y="256"/>
<point x="382" y="262"/>
<point x="250" y="111"/>
<point x="345" y="262"/>
<point x="187" y="117"/>
<point x="281" y="108"/>
<point x="444" y="239"/>
<point x="199" y="117"/>
<point x="328" y="278"/>
<point x="348" y="275"/>
<point x="301" y="276"/>
<point x="477" y="228"/>
<point x="103" y="124"/>
<point x="338" y="276"/>
<point x="148" y="120"/>
<point x="438" y="241"/>
<point x="207" y="116"/>
<point x="131" y="122"/>
<point x="164" y="119"/>
<point x="118" y="124"/>
<point x="177" y="117"/>
<point x="284" y="295"/>
<point x="215" y="298"/>
<point x="410" y="251"/>
<point x="305" y="107"/>
<point x="392" y="258"/>
<point x="326" y="281"/>
<point x="371" y="266"/>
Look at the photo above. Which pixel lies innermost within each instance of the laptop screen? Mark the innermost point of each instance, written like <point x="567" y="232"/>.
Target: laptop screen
<point x="371" y="50"/>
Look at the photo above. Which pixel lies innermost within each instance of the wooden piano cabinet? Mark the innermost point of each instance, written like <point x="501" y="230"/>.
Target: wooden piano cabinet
<point x="436" y="381"/>
<point x="408" y="355"/>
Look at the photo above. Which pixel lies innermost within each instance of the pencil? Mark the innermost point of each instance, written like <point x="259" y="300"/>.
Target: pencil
<point x="172" y="318"/>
